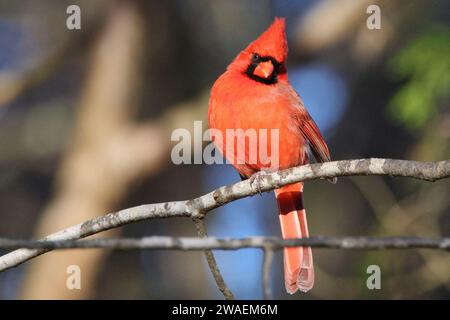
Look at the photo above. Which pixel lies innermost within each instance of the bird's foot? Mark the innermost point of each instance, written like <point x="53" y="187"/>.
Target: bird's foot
<point x="256" y="180"/>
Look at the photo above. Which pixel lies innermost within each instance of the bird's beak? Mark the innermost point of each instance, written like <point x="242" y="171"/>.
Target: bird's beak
<point x="264" y="69"/>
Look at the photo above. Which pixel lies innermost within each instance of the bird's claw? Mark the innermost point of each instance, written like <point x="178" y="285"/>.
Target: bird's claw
<point x="256" y="180"/>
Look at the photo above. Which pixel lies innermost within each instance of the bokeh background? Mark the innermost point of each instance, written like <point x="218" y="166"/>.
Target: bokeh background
<point x="86" y="117"/>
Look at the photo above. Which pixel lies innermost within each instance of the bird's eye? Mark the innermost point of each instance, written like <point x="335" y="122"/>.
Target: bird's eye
<point x="256" y="57"/>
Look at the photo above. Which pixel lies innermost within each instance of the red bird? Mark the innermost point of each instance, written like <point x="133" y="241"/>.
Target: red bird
<point x="254" y="93"/>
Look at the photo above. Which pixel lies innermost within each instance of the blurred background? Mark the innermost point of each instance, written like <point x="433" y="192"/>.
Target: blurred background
<point x="86" y="117"/>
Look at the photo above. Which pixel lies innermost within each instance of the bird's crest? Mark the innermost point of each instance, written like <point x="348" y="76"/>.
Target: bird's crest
<point x="271" y="43"/>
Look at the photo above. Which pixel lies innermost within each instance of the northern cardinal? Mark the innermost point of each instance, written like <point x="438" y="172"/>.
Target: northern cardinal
<point x="254" y="93"/>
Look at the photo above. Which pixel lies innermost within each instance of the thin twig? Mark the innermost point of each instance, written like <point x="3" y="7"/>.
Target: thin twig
<point x="195" y="208"/>
<point x="212" y="263"/>
<point x="213" y="243"/>
<point x="267" y="267"/>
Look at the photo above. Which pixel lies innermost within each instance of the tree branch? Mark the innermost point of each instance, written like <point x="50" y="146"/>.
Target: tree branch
<point x="267" y="267"/>
<point x="212" y="263"/>
<point x="268" y="244"/>
<point x="198" y="207"/>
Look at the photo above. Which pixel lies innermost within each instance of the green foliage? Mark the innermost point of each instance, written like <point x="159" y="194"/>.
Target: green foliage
<point x="425" y="62"/>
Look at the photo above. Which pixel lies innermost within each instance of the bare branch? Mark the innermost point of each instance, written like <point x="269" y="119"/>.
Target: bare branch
<point x="267" y="267"/>
<point x="212" y="263"/>
<point x="197" y="208"/>
<point x="213" y="243"/>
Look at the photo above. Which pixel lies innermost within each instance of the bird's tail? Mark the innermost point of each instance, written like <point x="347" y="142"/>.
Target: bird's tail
<point x="298" y="261"/>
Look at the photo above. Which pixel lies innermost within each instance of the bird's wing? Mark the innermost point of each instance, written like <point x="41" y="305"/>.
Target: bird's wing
<point x="315" y="139"/>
